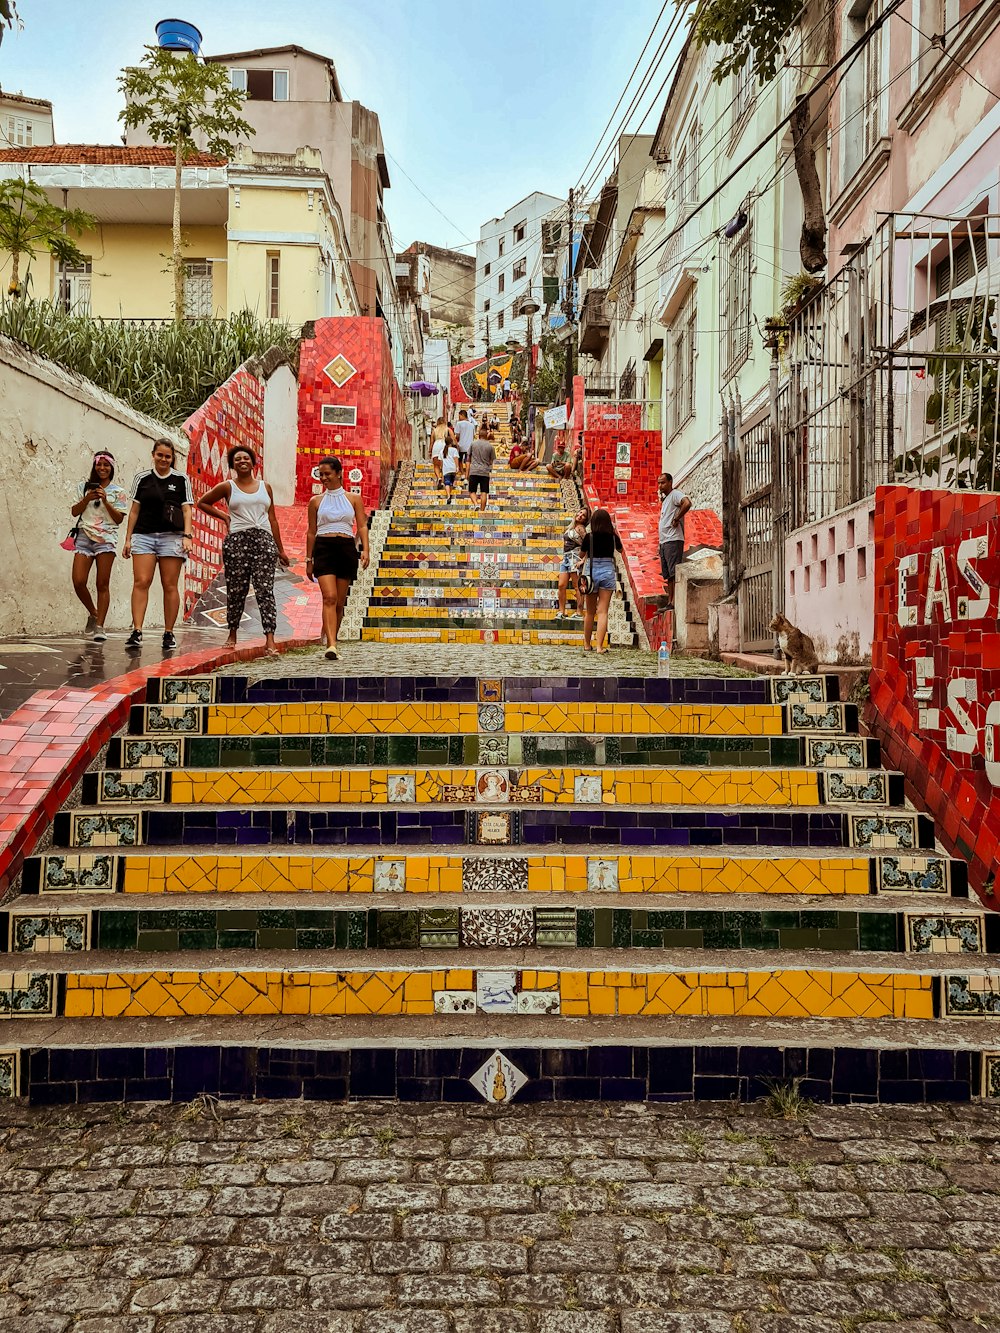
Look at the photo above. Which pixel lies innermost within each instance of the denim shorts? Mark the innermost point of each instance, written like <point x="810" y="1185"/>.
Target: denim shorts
<point x="603" y="575"/>
<point x="570" y="561"/>
<point x="159" y="544"/>
<point x="88" y="546"/>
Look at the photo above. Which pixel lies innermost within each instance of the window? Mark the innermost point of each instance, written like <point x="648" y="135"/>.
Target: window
<point x="957" y="321"/>
<point x="19" y="131"/>
<point x="500" y="282"/>
<point x="863" y="86"/>
<point x="743" y="88"/>
<point x="682" y="354"/>
<point x="520" y="269"/>
<point x="519" y="230"/>
<point x="499" y="319"/>
<point x="626" y="383"/>
<point x="486" y="270"/>
<point x="266" y="85"/>
<point x="198" y="299"/>
<point x="624" y="292"/>
<point x="500" y="246"/>
<point x="737" y="259"/>
<point x="74" y="287"/>
<point x="274" y="284"/>
<point x="238" y="79"/>
<point x="486" y="304"/>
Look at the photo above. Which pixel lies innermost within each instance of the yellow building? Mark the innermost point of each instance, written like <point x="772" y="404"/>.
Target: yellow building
<point x="262" y="232"/>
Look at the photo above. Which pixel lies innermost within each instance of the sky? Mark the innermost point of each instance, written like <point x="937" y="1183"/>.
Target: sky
<point x="480" y="104"/>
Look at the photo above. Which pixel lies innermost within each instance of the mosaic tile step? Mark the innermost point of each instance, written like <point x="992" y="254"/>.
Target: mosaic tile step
<point x="486" y="749"/>
<point x="583" y="690"/>
<point x="54" y="1075"/>
<point x="532" y="825"/>
<point x="326" y="717"/>
<point x="64" y="929"/>
<point x="494" y="785"/>
<point x="914" y="874"/>
<point x="514" y="637"/>
<point x="803" y="992"/>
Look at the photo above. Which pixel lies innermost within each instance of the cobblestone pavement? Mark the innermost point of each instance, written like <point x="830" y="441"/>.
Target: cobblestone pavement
<point x="474" y="659"/>
<point x="378" y="1218"/>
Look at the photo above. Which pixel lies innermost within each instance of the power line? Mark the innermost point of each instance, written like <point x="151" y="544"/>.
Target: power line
<point x="433" y="205"/>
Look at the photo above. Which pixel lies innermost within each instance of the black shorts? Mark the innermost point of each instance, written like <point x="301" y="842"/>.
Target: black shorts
<point x="477" y="482"/>
<point x="337" y="556"/>
<point x="671" y="554"/>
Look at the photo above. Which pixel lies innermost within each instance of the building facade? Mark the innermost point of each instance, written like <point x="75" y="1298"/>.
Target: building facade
<point x="25" y="122"/>
<point x="508" y="262"/>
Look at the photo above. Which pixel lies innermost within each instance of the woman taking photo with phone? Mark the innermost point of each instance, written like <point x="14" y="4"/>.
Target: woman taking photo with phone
<point x="99" y="512"/>
<point x="158" y="537"/>
<point x="253" y="547"/>
<point x="331" y="546"/>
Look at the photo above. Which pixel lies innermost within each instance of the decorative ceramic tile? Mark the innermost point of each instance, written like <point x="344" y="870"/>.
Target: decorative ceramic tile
<point x="587" y="789"/>
<point x="498" y="927"/>
<point x="868" y="788"/>
<point x="499" y="875"/>
<point x="491" y="717"/>
<point x="188" y="689"/>
<point x="450" y="793"/>
<point x="339" y="370"/>
<point x="105" y="830"/>
<point x="495" y="828"/>
<point x="27" y="995"/>
<point x="490" y="691"/>
<point x="454" y="1002"/>
<point x="389" y="876"/>
<point x="538" y="1002"/>
<point x="991" y="1074"/>
<point x="841" y="753"/>
<point x="496" y="992"/>
<point x="816" y="717"/>
<point x="602" y="875"/>
<point x="49" y="932"/>
<point x="439" y="928"/>
<point x="498" y="1081"/>
<point x="797" y="689"/>
<point x="494" y="750"/>
<point x="189" y="719"/>
<point x="151" y="754"/>
<point x="912" y="874"/>
<point x="555" y="926"/>
<point x="144" y="784"/>
<point x="492" y="786"/>
<point x="884" y="832"/>
<point x="72" y="871"/>
<point x="941" y="933"/>
<point x="972" y="996"/>
<point x="10" y="1074"/>
<point x="402" y="788"/>
<point x="531" y="794"/>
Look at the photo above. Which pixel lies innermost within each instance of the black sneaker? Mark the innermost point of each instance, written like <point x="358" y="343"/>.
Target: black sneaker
<point x="133" y="643"/>
<point x="169" y="642"/>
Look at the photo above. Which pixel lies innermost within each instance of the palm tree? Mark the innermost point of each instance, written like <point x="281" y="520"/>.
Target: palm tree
<point x="30" y="223"/>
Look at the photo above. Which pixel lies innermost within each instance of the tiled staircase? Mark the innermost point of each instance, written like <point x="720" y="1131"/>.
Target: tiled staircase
<point x="462" y="888"/>
<point x="449" y="573"/>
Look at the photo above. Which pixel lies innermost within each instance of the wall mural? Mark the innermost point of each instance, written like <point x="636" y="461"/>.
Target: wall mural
<point x="472" y="380"/>
<point x="935" y="682"/>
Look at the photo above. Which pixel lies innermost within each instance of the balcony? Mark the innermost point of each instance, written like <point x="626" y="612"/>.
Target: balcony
<point x="595" y="321"/>
<point x="597" y="384"/>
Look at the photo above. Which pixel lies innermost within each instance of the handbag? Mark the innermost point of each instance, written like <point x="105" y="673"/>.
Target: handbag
<point x="68" y="543"/>
<point x="585" y="581"/>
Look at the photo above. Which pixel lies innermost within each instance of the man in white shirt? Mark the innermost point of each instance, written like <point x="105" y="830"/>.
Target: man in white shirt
<point x="674" y="504"/>
<point x="465" y="434"/>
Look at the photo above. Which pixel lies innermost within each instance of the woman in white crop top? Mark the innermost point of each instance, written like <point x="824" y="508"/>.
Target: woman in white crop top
<point x="253" y="545"/>
<point x="331" y="547"/>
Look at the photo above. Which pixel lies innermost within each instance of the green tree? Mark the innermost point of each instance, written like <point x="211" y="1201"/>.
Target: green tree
<point x="30" y="223"/>
<point x="754" y="32"/>
<point x="181" y="101"/>
<point x="8" y="16"/>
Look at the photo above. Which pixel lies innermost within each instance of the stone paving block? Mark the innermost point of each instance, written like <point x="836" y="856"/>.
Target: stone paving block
<point x="491" y="1256"/>
<point x="570" y="1257"/>
<point x="149" y="1261"/>
<point x="264" y="1293"/>
<point x="491" y="1321"/>
<point x="648" y="1321"/>
<point x="331" y="1292"/>
<point x="362" y="1226"/>
<point x="416" y="1198"/>
<point x="171" y="1295"/>
<point x="448" y="1289"/>
<point x="576" y="1321"/>
<point x="785" y="1260"/>
<point x="83" y="1296"/>
<point x="333" y="1257"/>
<point x="406" y="1321"/>
<point x="305" y="1321"/>
<point x="407" y="1256"/>
<point x="318" y="1200"/>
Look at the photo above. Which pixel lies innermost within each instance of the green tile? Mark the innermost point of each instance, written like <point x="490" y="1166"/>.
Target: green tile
<point x="743" y="920"/>
<point x="340" y="750"/>
<point x="295" y="758"/>
<point x="718" y="937"/>
<point x="470" y="750"/>
<point x="315" y="939"/>
<point x="838" y="939"/>
<point x="522" y="750"/>
<point x="800" y="938"/>
<point x="439" y="918"/>
<point x="621" y="928"/>
<point x="781" y="920"/>
<point x="585" y="927"/>
<point x="237" y="920"/>
<point x="358" y="934"/>
<point x="308" y="918"/>
<point x="683" y="939"/>
<point x="276" y="939"/>
<point x="267" y="750"/>
<point x="602" y="927"/>
<point x="647" y="939"/>
<point x="612" y="750"/>
<point x="237" y="939"/>
<point x="115" y="930"/>
<point x="377" y="747"/>
<point x="456" y="749"/>
<point x="197" y="939"/>
<point x="202" y="752"/>
<point x="194" y="920"/>
<point x="821" y="920"/>
<point x="878" y="930"/>
<point x="402" y="750"/>
<point x="158" y="920"/>
<point x="398" y="930"/>
<point x="157" y="941"/>
<point x="275" y="919"/>
<point x="666" y="920"/>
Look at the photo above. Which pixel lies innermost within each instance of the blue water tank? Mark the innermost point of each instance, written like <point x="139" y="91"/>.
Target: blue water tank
<point x="176" y="35"/>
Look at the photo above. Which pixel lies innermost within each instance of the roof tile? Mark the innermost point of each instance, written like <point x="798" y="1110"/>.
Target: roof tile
<point x="89" y="154"/>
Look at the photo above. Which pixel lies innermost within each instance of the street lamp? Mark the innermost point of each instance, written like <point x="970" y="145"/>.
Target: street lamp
<point x="530" y="307"/>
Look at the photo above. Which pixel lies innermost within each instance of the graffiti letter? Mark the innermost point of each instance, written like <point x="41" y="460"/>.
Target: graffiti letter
<point x="989" y="743"/>
<point x="937" y="587"/>
<point x="928" y="719"/>
<point x="963" y="738"/>
<point x="972" y="608"/>
<point x="905" y="614"/>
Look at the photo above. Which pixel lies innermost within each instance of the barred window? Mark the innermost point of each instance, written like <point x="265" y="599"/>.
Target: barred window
<point x="682" y="355"/>
<point x="735" y="292"/>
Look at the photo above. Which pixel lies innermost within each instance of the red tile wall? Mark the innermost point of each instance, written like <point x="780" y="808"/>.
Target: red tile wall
<point x="947" y="741"/>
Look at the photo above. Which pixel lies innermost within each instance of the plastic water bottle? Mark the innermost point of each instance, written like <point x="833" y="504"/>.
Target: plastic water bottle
<point x="663" y="659"/>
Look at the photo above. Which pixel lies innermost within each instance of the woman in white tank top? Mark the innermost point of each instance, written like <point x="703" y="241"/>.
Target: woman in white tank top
<point x="253" y="545"/>
<point x="331" y="547"/>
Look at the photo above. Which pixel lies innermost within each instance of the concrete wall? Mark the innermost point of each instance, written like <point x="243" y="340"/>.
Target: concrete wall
<point x="51" y="422"/>
<point x="281" y="423"/>
<point x="829" y="583"/>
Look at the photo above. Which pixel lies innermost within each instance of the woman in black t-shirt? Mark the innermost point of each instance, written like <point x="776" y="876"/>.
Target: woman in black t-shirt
<point x="158" y="536"/>
<point x="597" y="563"/>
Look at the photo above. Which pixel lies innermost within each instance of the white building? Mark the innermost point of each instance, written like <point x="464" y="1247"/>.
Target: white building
<point x="25" y="122"/>
<point x="508" y="259"/>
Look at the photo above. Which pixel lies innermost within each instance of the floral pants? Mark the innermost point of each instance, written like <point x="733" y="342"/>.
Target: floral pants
<point x="250" y="555"/>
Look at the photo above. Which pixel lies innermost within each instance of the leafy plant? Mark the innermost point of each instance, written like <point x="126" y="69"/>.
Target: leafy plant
<point x="748" y="30"/>
<point x="784" y="1101"/>
<point x="164" y="370"/>
<point x="30" y="223"/>
<point x="178" y="100"/>
<point x="797" y="290"/>
<point x="8" y="16"/>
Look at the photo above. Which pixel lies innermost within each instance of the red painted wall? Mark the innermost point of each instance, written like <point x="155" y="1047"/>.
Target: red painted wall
<point x="629" y="481"/>
<point x="935" y="681"/>
<point x="355" y="351"/>
<point x="233" y="415"/>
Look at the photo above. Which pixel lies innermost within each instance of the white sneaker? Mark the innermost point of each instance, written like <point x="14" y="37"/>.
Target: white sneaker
<point x="90" y="626"/>
<point x="100" y="634"/>
<point x="332" y="655"/>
